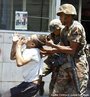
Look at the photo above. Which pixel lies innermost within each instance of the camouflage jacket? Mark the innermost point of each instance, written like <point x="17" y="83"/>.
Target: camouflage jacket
<point x="76" y="33"/>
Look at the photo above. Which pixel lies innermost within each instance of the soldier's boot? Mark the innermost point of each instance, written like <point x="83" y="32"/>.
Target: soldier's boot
<point x="41" y="90"/>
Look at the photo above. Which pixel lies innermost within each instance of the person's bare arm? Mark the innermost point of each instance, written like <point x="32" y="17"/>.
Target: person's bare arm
<point x="13" y="51"/>
<point x="20" y="59"/>
<point x="64" y="49"/>
<point x="15" y="38"/>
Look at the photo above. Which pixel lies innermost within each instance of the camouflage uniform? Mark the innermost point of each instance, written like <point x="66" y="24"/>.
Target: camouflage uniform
<point x="52" y="60"/>
<point x="58" y="71"/>
<point x="64" y="85"/>
<point x="54" y="24"/>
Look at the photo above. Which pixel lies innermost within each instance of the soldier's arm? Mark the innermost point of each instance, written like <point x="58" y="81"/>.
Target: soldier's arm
<point x="66" y="49"/>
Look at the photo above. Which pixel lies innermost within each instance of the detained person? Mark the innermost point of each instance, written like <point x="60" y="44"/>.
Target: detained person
<point x="30" y="60"/>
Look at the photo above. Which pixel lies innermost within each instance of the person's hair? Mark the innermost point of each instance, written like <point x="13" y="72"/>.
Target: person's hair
<point x="39" y="40"/>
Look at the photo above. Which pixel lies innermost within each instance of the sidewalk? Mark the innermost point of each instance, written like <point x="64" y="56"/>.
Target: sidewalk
<point x="86" y="95"/>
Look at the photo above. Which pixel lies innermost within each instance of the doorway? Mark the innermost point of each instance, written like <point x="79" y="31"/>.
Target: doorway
<point x="86" y="18"/>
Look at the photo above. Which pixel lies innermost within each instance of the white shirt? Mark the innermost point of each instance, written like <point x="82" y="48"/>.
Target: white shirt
<point x="31" y="70"/>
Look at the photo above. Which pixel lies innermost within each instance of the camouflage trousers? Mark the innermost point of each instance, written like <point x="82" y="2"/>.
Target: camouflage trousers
<point x="62" y="84"/>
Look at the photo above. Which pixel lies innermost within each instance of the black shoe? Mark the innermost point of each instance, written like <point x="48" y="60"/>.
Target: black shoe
<point x="41" y="90"/>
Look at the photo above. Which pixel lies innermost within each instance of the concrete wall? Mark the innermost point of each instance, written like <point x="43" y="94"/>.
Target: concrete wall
<point x="10" y="74"/>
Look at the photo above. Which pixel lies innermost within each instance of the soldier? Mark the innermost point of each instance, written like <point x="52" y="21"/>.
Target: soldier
<point x="74" y="43"/>
<point x="55" y="60"/>
<point x="55" y="27"/>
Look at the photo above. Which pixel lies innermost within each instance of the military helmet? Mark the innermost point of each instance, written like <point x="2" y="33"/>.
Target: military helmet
<point x="67" y="9"/>
<point x="55" y="24"/>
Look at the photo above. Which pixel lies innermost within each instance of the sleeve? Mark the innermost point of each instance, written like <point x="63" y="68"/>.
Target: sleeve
<point x="32" y="54"/>
<point x="36" y="55"/>
<point x="75" y="35"/>
<point x="27" y="54"/>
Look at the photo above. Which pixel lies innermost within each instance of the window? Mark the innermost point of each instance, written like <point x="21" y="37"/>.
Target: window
<point x="86" y="18"/>
<point x="38" y="13"/>
<point x="4" y="14"/>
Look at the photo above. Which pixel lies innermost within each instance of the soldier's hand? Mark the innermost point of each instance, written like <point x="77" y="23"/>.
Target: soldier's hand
<point x="49" y="43"/>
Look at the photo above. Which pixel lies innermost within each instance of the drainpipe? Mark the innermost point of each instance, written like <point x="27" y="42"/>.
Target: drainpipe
<point x="24" y="5"/>
<point x="58" y="3"/>
<point x="80" y="11"/>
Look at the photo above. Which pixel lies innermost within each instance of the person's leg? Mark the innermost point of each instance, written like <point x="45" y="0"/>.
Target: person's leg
<point x="83" y="77"/>
<point x="31" y="90"/>
<point x="14" y="91"/>
<point x="45" y="71"/>
<point x="17" y="90"/>
<point x="62" y="86"/>
<point x="41" y="89"/>
<point x="25" y="89"/>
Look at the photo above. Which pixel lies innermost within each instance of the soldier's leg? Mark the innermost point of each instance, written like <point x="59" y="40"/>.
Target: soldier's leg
<point x="83" y="78"/>
<point x="63" y="86"/>
<point x="45" y="71"/>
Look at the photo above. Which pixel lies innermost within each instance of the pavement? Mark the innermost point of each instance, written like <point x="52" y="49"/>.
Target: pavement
<point x="46" y="88"/>
<point x="46" y="92"/>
